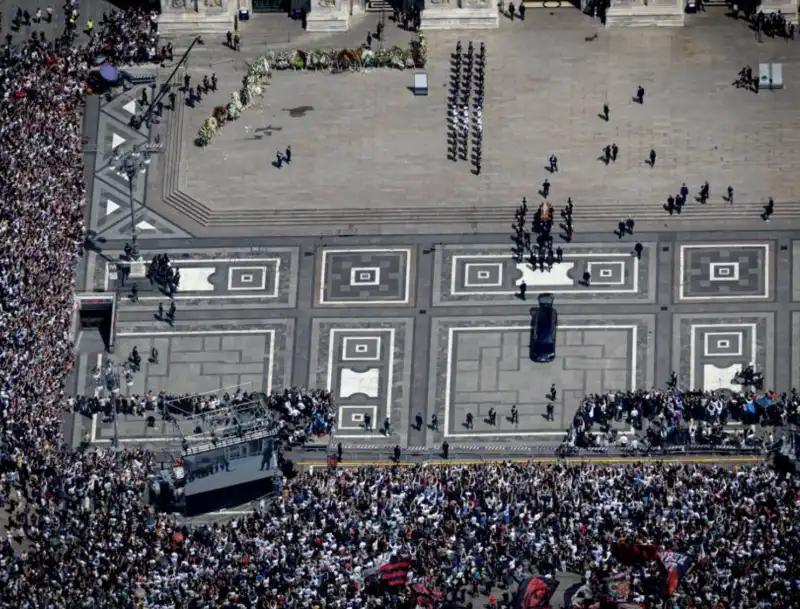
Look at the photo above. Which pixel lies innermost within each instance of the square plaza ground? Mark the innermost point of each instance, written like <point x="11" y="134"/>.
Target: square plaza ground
<point x="469" y="351"/>
<point x="483" y="365"/>
<point x="364" y="142"/>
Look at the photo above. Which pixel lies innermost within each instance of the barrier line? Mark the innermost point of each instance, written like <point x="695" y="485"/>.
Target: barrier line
<point x="600" y="460"/>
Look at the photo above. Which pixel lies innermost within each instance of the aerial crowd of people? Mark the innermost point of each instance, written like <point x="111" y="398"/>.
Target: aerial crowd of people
<point x="670" y="417"/>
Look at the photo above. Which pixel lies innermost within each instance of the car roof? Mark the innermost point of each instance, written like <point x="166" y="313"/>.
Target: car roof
<point x="546" y="299"/>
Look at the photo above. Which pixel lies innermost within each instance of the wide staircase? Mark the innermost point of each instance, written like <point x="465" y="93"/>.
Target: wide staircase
<point x="549" y="4"/>
<point x="599" y="215"/>
<point x="379" y="6"/>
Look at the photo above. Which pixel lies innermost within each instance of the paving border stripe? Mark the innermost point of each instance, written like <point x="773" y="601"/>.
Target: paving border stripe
<point x="171" y="193"/>
<point x="195" y="210"/>
<point x="543" y="460"/>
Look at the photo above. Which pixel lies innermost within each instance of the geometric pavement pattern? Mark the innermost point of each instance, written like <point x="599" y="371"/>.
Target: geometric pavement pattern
<point x="458" y="342"/>
<point x="398" y="325"/>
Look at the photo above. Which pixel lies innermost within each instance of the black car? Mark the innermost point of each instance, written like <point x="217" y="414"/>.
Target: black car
<point x="543" y="329"/>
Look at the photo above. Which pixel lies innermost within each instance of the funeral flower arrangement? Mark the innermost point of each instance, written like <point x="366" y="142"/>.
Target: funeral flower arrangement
<point x="253" y="84"/>
<point x="207" y="131"/>
<point x="259" y="73"/>
<point x="415" y="56"/>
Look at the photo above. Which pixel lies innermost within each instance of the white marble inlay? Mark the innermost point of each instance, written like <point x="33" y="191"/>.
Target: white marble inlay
<point x="196" y="279"/>
<point x="365" y="383"/>
<point x="716" y="378"/>
<point x="535" y="278"/>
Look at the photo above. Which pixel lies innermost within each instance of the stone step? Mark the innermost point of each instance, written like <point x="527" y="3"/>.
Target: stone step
<point x="192" y="24"/>
<point x="497" y="214"/>
<point x="379" y="6"/>
<point x="190" y="208"/>
<point x="548" y="4"/>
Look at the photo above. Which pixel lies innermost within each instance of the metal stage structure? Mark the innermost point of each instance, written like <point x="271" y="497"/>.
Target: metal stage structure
<point x="229" y="455"/>
<point x="225" y="426"/>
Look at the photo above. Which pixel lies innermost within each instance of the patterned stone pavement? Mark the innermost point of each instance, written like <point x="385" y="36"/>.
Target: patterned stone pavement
<point x="485" y="364"/>
<point x="425" y="333"/>
<point x="487" y="275"/>
<point x="370" y="158"/>
<point x="397" y="326"/>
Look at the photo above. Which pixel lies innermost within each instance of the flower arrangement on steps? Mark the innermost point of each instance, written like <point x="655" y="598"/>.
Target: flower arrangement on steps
<point x="259" y="74"/>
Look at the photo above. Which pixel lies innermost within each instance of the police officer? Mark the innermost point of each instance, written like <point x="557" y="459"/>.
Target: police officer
<point x="397" y="453"/>
<point x="136" y="359"/>
<point x="673" y="380"/>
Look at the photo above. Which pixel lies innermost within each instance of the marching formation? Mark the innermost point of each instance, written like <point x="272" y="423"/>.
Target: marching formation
<point x="461" y="104"/>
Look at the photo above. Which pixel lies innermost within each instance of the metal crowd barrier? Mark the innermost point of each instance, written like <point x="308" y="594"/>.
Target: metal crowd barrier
<point x="381" y="453"/>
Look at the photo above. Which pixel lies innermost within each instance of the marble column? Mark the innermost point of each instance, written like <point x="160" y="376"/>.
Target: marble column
<point x="328" y="16"/>
<point x="633" y="13"/>
<point x="459" y="15"/>
<point x="196" y="16"/>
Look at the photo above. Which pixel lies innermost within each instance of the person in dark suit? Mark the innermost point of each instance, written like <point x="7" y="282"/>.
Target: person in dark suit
<point x="266" y="456"/>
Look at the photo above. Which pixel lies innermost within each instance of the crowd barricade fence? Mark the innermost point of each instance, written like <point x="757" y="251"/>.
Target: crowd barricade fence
<point x="375" y="452"/>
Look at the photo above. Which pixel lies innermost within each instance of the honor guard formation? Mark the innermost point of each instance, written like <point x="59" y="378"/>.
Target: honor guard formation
<point x="464" y="102"/>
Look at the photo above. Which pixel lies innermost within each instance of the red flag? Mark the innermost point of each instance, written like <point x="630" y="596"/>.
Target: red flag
<point x="395" y="572"/>
<point x="635" y="553"/>
<point x="535" y="593"/>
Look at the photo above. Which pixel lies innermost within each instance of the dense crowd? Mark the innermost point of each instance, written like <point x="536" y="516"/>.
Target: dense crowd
<point x="129" y="37"/>
<point x="301" y="413"/>
<point x="465" y="529"/>
<point x="162" y="403"/>
<point x="670" y="416"/>
<point x="41" y="209"/>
